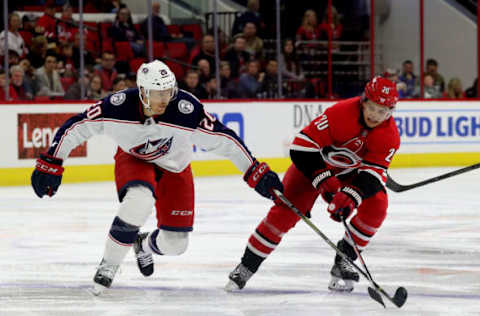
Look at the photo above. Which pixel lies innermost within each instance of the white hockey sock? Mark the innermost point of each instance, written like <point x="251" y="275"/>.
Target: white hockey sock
<point x="114" y="252"/>
<point x="145" y="244"/>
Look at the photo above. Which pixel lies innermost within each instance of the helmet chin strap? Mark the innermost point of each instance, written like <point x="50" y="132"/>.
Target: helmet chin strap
<point x="146" y="105"/>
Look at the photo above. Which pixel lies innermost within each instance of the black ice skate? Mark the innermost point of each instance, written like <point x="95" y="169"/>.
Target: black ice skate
<point x="144" y="259"/>
<point x="238" y="278"/>
<point x="343" y="274"/>
<point x="104" y="277"/>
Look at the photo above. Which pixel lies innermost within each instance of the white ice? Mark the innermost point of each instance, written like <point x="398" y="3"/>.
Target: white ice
<point x="429" y="243"/>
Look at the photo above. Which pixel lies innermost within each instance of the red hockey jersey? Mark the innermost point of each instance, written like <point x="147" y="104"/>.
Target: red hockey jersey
<point x="346" y="144"/>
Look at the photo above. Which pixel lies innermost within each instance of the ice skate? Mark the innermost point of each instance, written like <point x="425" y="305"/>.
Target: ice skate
<point x="144" y="259"/>
<point x="104" y="277"/>
<point x="343" y="276"/>
<point x="238" y="278"/>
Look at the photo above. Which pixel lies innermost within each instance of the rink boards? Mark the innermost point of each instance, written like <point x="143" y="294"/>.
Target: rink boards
<point x="433" y="133"/>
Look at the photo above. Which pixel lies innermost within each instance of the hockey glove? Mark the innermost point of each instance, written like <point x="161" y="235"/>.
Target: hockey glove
<point x="47" y="176"/>
<point x="327" y="184"/>
<point x="344" y="202"/>
<point x="263" y="180"/>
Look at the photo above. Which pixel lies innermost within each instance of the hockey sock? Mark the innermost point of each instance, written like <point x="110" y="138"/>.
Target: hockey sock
<point x="121" y="237"/>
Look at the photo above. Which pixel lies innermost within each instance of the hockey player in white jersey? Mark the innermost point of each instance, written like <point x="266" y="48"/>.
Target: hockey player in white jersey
<point x="155" y="127"/>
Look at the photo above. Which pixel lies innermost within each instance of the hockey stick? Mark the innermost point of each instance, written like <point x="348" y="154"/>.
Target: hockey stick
<point x="401" y="294"/>
<point x="397" y="301"/>
<point x="397" y="187"/>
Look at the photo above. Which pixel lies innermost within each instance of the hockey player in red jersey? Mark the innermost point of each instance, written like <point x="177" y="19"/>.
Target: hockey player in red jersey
<point x="343" y="156"/>
<point x="155" y="127"/>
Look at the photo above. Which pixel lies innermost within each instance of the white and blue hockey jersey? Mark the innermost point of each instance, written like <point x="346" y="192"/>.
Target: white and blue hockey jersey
<point x="165" y="140"/>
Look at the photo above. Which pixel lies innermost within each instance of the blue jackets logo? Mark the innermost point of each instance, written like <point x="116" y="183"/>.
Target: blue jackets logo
<point x="152" y="149"/>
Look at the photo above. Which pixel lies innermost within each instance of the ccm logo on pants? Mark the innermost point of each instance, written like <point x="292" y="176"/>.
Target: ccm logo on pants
<point x="182" y="213"/>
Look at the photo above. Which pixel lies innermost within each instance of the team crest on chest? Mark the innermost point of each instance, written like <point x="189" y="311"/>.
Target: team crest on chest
<point x="118" y="98"/>
<point x="185" y="107"/>
<point x="152" y="149"/>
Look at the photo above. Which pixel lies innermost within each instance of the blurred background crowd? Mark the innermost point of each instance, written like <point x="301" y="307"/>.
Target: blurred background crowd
<point x="44" y="51"/>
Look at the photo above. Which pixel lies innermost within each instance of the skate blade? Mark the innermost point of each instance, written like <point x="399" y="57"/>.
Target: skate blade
<point x="97" y="289"/>
<point x="231" y="287"/>
<point x="339" y="285"/>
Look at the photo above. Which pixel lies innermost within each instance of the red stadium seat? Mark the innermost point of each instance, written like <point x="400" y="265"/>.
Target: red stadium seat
<point x="107" y="45"/>
<point x="158" y="49"/>
<point x="135" y="63"/>
<point x="123" y="51"/>
<point x="177" y="50"/>
<point x="176" y="68"/>
<point x="173" y="29"/>
<point x="194" y="29"/>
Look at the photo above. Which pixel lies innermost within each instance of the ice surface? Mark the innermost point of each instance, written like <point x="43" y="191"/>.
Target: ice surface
<point x="429" y="243"/>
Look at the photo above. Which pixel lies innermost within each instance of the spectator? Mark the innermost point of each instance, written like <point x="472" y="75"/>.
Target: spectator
<point x="211" y="88"/>
<point x="472" y="92"/>
<point x="237" y="56"/>
<point x="95" y="91"/>
<point x="269" y="89"/>
<point x="430" y="90"/>
<point x="309" y="30"/>
<point x="23" y="90"/>
<point x="124" y="31"/>
<point x="47" y="79"/>
<point x="432" y="69"/>
<point x="131" y="80"/>
<point x="335" y="28"/>
<point x="66" y="56"/>
<point x="29" y="22"/>
<point x="227" y="84"/>
<point x="289" y="62"/>
<point x="11" y="92"/>
<point x="205" y="72"/>
<point x="66" y="28"/>
<point x="119" y="84"/>
<point x="251" y="15"/>
<point x="46" y="24"/>
<point x="253" y="44"/>
<point x="38" y="51"/>
<point x="13" y="58"/>
<point x="15" y="40"/>
<point x="87" y="56"/>
<point x="106" y="70"/>
<point x="74" y="91"/>
<point x="454" y="89"/>
<point x="191" y="83"/>
<point x="409" y="79"/>
<point x="159" y="29"/>
<point x="392" y="75"/>
<point x="28" y="72"/>
<point x="207" y="51"/>
<point x="250" y="82"/>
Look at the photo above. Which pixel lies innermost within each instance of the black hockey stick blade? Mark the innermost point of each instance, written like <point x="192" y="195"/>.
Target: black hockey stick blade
<point x="376" y="296"/>
<point x="400" y="297"/>
<point x="397" y="187"/>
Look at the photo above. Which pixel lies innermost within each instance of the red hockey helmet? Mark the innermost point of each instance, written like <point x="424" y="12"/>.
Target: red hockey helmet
<point x="382" y="91"/>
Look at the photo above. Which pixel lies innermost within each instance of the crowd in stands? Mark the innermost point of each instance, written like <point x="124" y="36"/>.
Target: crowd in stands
<point x="434" y="84"/>
<point x="44" y="55"/>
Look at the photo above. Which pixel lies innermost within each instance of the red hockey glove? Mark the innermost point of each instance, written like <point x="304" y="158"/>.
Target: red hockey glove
<point x="263" y="180"/>
<point x="344" y="202"/>
<point x="327" y="184"/>
<point x="47" y="176"/>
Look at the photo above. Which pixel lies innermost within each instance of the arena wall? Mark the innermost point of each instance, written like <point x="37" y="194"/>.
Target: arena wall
<point x="433" y="133"/>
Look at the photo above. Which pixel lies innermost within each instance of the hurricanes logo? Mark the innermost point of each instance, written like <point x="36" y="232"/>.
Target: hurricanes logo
<point x="152" y="149"/>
